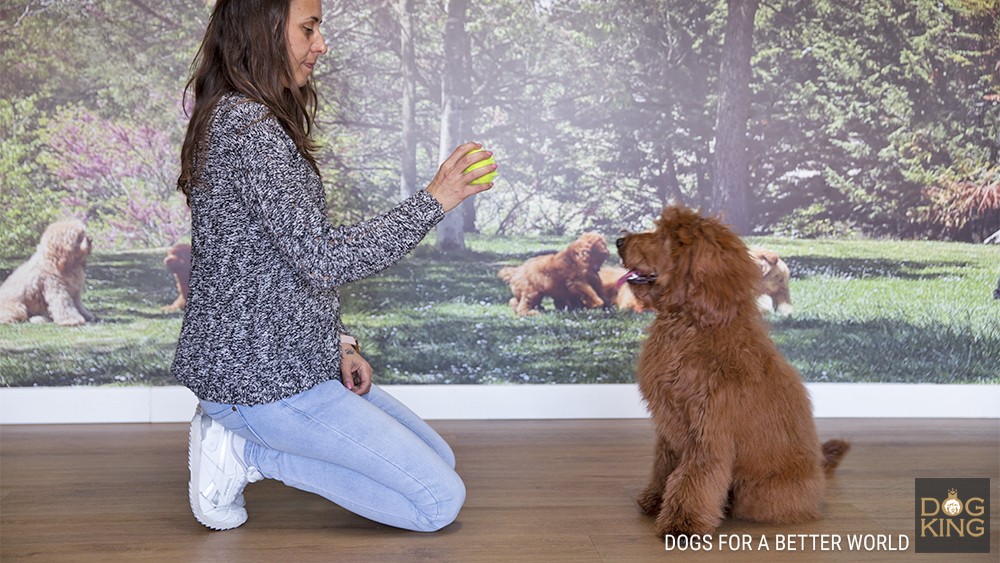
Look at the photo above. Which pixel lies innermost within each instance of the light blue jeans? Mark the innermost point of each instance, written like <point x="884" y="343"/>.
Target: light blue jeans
<point x="369" y="454"/>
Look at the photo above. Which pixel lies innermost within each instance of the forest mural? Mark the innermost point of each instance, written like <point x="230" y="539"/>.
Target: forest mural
<point x="859" y="140"/>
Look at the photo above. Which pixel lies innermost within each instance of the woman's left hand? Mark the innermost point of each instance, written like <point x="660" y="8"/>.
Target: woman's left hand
<point x="355" y="371"/>
<point x="451" y="185"/>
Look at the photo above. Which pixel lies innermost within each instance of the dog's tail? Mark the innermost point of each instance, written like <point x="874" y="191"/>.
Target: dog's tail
<point x="833" y="452"/>
<point x="507" y="272"/>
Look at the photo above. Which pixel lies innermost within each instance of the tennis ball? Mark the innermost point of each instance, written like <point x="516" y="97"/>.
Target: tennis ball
<point x="487" y="178"/>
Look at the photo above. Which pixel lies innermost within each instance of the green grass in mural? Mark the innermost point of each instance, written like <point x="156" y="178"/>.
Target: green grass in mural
<point x="132" y="342"/>
<point x="864" y="311"/>
<point x="892" y="311"/>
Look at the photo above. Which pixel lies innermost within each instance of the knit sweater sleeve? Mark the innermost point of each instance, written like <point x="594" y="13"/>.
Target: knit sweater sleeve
<point x="280" y="190"/>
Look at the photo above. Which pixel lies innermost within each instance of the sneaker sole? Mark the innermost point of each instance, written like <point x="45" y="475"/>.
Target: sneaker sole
<point x="194" y="466"/>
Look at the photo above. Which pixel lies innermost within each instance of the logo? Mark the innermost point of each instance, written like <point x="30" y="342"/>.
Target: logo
<point x="952" y="516"/>
<point x="952" y="506"/>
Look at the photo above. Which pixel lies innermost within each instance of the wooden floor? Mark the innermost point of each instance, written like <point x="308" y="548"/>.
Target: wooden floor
<point x="541" y="491"/>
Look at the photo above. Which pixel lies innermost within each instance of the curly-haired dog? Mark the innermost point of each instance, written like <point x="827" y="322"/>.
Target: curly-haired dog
<point x="49" y="285"/>
<point x="569" y="277"/>
<point x="178" y="263"/>
<point x="735" y="432"/>
<point x="773" y="294"/>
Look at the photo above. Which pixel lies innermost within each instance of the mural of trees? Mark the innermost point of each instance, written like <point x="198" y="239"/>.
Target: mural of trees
<point x="861" y="117"/>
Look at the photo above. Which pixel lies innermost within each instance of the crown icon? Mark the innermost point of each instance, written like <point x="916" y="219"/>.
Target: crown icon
<point x="952" y="506"/>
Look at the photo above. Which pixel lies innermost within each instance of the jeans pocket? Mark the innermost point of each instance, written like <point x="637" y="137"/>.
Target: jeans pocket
<point x="246" y="430"/>
<point x="226" y="415"/>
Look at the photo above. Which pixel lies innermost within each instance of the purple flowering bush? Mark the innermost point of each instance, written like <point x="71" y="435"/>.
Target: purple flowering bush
<point x="116" y="175"/>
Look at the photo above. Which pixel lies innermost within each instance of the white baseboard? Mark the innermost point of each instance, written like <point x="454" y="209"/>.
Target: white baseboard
<point x="73" y="405"/>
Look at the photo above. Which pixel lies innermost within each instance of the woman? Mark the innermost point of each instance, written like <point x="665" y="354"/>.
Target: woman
<point x="284" y="392"/>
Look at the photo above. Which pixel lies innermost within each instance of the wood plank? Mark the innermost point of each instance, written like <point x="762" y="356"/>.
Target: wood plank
<point x="553" y="490"/>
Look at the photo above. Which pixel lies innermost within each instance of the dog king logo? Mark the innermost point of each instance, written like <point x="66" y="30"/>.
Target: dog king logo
<point x="952" y="506"/>
<point x="952" y="516"/>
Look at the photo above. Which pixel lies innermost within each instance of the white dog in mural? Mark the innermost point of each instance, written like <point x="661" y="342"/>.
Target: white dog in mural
<point x="49" y="285"/>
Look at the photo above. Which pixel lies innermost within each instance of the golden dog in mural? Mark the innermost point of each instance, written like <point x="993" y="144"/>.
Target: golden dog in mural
<point x="178" y="263"/>
<point x="570" y="277"/>
<point x="49" y="286"/>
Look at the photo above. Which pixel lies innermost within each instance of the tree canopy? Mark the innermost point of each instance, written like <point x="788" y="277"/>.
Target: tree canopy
<point x="866" y="117"/>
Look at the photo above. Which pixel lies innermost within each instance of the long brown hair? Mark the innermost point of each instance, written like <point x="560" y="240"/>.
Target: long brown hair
<point x="244" y="51"/>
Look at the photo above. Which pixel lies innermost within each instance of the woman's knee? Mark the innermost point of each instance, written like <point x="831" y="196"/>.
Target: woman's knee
<point x="449" y="503"/>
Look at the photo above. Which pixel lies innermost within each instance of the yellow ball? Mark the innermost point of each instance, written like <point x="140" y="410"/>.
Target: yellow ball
<point x="487" y="178"/>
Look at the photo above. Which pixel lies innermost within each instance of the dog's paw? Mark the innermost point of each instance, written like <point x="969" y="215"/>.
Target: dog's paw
<point x="650" y="501"/>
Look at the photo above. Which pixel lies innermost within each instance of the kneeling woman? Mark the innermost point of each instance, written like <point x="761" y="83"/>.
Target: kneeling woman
<point x="284" y="392"/>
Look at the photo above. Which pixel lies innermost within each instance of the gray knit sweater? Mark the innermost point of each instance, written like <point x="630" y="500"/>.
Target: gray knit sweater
<point x="262" y="320"/>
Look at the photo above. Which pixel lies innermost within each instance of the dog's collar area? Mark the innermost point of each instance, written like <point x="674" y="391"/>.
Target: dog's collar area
<point x="635" y="277"/>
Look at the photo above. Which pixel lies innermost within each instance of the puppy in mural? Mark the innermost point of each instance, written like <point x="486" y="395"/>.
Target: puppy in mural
<point x="49" y="286"/>
<point x="735" y="433"/>
<point x="570" y="277"/>
<point x="774" y="294"/>
<point x="178" y="263"/>
<point x="616" y="293"/>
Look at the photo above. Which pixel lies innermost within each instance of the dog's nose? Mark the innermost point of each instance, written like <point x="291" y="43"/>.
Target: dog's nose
<point x="619" y="242"/>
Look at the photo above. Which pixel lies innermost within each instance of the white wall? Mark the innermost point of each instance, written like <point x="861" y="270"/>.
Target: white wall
<point x="46" y="405"/>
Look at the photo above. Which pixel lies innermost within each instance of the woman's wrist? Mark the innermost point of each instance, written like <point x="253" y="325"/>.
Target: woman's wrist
<point x="348" y="342"/>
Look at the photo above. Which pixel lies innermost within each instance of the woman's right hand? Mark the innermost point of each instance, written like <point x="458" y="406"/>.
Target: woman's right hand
<point x="450" y="185"/>
<point x="355" y="371"/>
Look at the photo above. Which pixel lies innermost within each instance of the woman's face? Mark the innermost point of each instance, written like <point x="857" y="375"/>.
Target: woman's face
<point x="305" y="42"/>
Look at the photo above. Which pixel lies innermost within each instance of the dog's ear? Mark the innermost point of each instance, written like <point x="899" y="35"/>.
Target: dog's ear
<point x="54" y="245"/>
<point x="720" y="276"/>
<point x="581" y="250"/>
<point x="598" y="251"/>
<point x="577" y="251"/>
<point x="674" y="237"/>
<point x="765" y="256"/>
<point x="67" y="244"/>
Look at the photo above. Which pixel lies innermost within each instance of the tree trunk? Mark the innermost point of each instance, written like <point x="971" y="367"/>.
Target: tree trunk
<point x="668" y="187"/>
<point x="732" y="167"/>
<point x="408" y="60"/>
<point x="469" y="216"/>
<point x="454" y="121"/>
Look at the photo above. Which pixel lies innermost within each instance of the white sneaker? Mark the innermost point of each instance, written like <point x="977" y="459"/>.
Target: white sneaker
<point x="218" y="473"/>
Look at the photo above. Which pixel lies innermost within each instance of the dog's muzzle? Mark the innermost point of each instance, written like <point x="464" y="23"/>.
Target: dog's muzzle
<point x="635" y="277"/>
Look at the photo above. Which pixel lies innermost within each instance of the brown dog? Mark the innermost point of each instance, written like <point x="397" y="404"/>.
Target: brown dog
<point x="616" y="293"/>
<point x="733" y="420"/>
<point x="773" y="292"/>
<point x="178" y="263"/>
<point x="49" y="286"/>
<point x="569" y="277"/>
